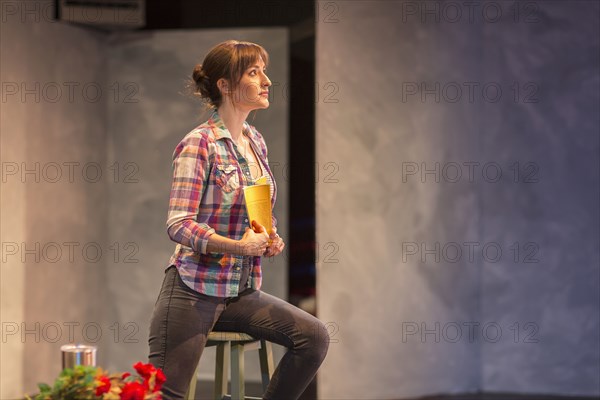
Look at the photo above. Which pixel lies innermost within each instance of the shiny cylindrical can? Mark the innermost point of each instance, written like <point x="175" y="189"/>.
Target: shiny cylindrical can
<point x="78" y="354"/>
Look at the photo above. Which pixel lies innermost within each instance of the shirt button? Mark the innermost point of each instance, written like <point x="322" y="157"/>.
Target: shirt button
<point x="246" y="220"/>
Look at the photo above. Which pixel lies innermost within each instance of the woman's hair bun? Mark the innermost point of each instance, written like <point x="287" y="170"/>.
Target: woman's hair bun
<point x="202" y="81"/>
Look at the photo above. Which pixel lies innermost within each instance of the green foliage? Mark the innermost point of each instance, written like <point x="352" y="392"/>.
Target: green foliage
<point x="72" y="384"/>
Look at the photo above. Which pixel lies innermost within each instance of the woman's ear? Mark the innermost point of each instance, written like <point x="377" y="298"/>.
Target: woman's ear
<point x="223" y="86"/>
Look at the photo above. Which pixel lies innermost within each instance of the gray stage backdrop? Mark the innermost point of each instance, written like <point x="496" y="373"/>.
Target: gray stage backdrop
<point x="410" y="312"/>
<point x="411" y="279"/>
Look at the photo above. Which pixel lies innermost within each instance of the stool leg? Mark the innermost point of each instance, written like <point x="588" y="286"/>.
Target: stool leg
<point x="237" y="371"/>
<point x="191" y="394"/>
<point x="221" y="371"/>
<point x="265" y="354"/>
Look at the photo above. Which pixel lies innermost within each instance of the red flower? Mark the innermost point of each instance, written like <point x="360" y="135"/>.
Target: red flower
<point x="104" y="386"/>
<point x="133" y="391"/>
<point x="125" y="375"/>
<point x="160" y="379"/>
<point x="145" y="370"/>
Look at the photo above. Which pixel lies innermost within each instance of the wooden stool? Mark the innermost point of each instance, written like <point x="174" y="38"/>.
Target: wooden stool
<point x="236" y="343"/>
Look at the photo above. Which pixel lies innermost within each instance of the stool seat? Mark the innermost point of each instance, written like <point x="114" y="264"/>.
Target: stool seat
<point x="229" y="337"/>
<point x="236" y="343"/>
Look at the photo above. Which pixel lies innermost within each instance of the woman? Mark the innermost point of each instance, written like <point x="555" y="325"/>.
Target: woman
<point x="214" y="276"/>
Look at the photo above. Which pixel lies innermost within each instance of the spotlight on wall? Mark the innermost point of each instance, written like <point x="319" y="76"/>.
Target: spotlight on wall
<point x="103" y="14"/>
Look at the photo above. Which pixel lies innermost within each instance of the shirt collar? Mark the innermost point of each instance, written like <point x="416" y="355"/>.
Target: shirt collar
<point x="218" y="126"/>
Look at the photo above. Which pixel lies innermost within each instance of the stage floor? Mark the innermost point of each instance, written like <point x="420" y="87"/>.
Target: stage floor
<point x="204" y="392"/>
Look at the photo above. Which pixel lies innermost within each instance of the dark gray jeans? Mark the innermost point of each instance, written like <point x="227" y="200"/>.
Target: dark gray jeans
<point x="183" y="318"/>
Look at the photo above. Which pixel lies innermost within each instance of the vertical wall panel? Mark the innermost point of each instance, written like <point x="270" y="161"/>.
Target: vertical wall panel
<point x="544" y="291"/>
<point x="415" y="297"/>
<point x="54" y="208"/>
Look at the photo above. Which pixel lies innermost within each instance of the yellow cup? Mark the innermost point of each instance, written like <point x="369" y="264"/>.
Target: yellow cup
<point x="258" y="205"/>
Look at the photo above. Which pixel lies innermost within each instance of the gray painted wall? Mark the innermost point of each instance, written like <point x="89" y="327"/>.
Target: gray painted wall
<point x="53" y="220"/>
<point x="559" y="295"/>
<point x="411" y="318"/>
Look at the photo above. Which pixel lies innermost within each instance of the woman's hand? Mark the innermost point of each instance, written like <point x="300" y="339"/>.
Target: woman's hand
<point x="255" y="241"/>
<point x="276" y="246"/>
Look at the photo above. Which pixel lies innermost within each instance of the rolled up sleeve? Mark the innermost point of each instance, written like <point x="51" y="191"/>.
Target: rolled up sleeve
<point x="190" y="178"/>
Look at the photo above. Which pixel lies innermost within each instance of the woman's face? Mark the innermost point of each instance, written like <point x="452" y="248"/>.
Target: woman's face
<point x="253" y="90"/>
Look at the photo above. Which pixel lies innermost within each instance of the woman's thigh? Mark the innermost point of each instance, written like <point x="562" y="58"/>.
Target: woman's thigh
<point x="268" y="317"/>
<point x="179" y="328"/>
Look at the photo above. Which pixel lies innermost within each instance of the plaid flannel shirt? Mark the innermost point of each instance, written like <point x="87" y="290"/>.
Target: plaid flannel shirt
<point x="207" y="196"/>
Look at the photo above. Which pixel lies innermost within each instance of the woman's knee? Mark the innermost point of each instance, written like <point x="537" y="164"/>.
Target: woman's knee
<point x="316" y="338"/>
